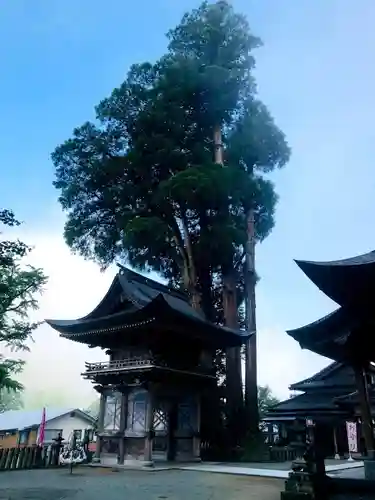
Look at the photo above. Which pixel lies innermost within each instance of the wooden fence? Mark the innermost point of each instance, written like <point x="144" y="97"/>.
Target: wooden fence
<point x="28" y="457"/>
<point x="282" y="454"/>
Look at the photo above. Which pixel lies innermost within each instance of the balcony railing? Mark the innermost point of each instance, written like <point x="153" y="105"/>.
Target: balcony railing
<point x="138" y="363"/>
<point x="119" y="365"/>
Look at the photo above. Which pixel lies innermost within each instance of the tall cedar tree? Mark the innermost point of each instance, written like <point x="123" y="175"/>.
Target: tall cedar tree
<point x="141" y="184"/>
<point x="18" y="288"/>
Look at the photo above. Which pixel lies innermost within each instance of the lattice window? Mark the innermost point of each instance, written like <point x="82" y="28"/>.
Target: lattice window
<point x="186" y="416"/>
<point x="160" y="418"/>
<point x="136" y="420"/>
<point x="112" y="413"/>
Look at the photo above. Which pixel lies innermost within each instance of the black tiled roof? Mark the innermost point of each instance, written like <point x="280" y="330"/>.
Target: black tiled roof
<point x="335" y="375"/>
<point x="306" y="404"/>
<point x="320" y="376"/>
<point x="134" y="299"/>
<point x="145" y="290"/>
<point x="366" y="258"/>
<point x="348" y="282"/>
<point x="339" y="335"/>
<point x="353" y="398"/>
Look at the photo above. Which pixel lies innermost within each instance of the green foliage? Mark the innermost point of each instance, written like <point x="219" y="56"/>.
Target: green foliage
<point x="10" y="401"/>
<point x="140" y="184"/>
<point x="255" y="448"/>
<point x="266" y="400"/>
<point x="18" y="288"/>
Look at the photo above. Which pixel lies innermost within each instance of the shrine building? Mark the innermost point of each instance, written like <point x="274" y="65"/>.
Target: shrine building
<point x="160" y="368"/>
<point x="330" y="398"/>
<point x="347" y="334"/>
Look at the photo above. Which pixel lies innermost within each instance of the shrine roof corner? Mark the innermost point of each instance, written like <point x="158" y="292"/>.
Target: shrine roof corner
<point x="347" y="282"/>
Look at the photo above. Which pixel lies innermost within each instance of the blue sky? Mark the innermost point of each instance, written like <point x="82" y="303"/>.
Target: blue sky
<point x="315" y="73"/>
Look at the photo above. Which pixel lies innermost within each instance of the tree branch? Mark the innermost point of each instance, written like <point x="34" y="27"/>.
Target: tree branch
<point x="18" y="295"/>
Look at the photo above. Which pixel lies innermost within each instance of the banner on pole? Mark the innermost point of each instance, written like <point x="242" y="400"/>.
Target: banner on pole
<point x="41" y="431"/>
<point x="351" y="431"/>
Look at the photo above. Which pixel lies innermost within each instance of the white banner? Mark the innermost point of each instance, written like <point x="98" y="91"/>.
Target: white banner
<point x="351" y="431"/>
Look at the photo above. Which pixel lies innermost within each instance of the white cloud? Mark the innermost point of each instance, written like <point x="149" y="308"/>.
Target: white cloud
<point x="75" y="286"/>
<point x="282" y="362"/>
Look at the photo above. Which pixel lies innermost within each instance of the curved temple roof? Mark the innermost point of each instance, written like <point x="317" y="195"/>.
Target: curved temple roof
<point x="318" y="379"/>
<point x="345" y="334"/>
<point x="348" y="282"/>
<point x="306" y="405"/>
<point x="134" y="301"/>
<point x="326" y="336"/>
<point x="353" y="398"/>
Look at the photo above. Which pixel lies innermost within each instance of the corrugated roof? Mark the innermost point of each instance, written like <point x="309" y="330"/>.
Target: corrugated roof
<point x="22" y="419"/>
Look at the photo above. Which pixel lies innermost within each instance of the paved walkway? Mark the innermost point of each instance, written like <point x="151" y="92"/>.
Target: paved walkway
<point x="279" y="471"/>
<point x="97" y="484"/>
<point x="358" y="473"/>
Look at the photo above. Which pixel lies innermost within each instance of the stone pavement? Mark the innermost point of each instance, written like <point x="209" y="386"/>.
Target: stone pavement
<point x="104" y="484"/>
<point x="266" y="469"/>
<point x="358" y="473"/>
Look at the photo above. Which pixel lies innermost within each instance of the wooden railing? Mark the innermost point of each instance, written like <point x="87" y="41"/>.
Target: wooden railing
<point x="139" y="362"/>
<point x="283" y="454"/>
<point x="28" y="457"/>
<point x="122" y="364"/>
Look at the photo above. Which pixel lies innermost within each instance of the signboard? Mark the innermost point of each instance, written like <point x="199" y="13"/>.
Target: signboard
<point x="351" y="431"/>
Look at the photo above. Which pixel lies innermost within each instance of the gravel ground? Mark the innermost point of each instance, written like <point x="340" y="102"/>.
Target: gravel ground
<point x="104" y="484"/>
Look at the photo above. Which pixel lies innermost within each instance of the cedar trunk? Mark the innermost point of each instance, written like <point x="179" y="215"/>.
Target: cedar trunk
<point x="251" y="385"/>
<point x="234" y="394"/>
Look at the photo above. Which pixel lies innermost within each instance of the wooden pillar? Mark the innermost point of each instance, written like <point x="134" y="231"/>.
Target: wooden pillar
<point x="197" y="438"/>
<point x="337" y="455"/>
<point x="149" y="427"/>
<point x="123" y="417"/>
<point x="366" y="418"/>
<point x="100" y="427"/>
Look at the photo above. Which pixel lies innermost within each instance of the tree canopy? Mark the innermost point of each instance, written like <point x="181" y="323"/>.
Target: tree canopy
<point x="140" y="183"/>
<point x="19" y="285"/>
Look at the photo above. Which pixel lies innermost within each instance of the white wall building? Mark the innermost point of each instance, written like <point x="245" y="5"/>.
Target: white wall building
<point x="74" y="420"/>
<point x="23" y="426"/>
